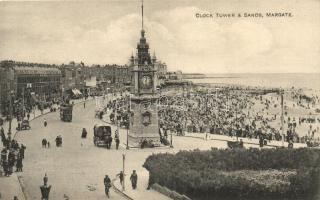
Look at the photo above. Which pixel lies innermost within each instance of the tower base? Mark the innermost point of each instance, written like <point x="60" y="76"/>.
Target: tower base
<point x="144" y="141"/>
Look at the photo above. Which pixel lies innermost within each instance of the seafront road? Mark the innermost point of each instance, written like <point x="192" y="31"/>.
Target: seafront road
<point x="76" y="170"/>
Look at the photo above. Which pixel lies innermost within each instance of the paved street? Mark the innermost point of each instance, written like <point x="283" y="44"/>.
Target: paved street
<point x="76" y="170"/>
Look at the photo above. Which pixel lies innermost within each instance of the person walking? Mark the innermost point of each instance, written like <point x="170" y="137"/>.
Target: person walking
<point x="121" y="177"/>
<point x="11" y="161"/>
<point x="260" y="141"/>
<point x="109" y="142"/>
<point x="22" y="150"/>
<point x="58" y="141"/>
<point x="45" y="123"/>
<point x="84" y="104"/>
<point x="44" y="143"/>
<point x="84" y="133"/>
<point x="134" y="179"/>
<point x="117" y="142"/>
<point x="107" y="185"/>
<point x="19" y="164"/>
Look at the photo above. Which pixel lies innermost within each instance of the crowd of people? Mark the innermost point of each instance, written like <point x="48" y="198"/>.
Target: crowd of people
<point x="108" y="184"/>
<point x="231" y="111"/>
<point x="12" y="154"/>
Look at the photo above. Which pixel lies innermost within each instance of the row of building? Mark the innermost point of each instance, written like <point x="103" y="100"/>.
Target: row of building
<point x="43" y="82"/>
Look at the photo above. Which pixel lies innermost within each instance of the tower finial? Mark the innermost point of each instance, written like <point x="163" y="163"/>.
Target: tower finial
<point x="142" y="13"/>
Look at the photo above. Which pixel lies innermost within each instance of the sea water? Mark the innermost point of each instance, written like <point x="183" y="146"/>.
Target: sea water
<point x="284" y="80"/>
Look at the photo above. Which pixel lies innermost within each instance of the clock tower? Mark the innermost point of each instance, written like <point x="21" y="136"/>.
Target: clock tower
<point x="144" y="124"/>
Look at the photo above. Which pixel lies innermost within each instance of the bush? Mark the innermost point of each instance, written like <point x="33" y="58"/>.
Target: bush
<point x="172" y="194"/>
<point x="239" y="172"/>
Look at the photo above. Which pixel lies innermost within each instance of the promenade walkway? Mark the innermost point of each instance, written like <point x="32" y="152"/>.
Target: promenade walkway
<point x="247" y="141"/>
<point x="10" y="186"/>
<point x="140" y="193"/>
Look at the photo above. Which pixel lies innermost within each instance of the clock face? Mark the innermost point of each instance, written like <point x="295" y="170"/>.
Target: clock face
<point x="146" y="81"/>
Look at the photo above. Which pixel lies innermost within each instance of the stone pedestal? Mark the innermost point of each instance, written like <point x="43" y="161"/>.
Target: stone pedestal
<point x="144" y="123"/>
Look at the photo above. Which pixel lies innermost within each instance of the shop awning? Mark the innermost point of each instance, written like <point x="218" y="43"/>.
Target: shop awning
<point x="76" y="92"/>
<point x="34" y="97"/>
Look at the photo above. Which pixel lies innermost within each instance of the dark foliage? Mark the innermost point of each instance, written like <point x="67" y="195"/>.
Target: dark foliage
<point x="203" y="174"/>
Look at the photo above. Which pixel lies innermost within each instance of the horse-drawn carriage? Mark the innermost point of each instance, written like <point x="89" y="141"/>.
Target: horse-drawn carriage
<point x="24" y="125"/>
<point x="102" y="135"/>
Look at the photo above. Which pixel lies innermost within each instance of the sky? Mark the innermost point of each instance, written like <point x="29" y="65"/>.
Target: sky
<point x="107" y="32"/>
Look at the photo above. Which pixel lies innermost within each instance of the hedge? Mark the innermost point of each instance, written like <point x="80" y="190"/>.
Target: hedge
<point x="285" y="173"/>
<point x="172" y="194"/>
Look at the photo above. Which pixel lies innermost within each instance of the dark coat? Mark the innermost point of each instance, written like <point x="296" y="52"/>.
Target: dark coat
<point x="19" y="163"/>
<point x="107" y="182"/>
<point x="84" y="133"/>
<point x="134" y="178"/>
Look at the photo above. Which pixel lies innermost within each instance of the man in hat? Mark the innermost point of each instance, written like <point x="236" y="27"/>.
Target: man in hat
<point x="84" y="133"/>
<point x="45" y="123"/>
<point x="11" y="161"/>
<point x="21" y="151"/>
<point x="134" y="179"/>
<point x="117" y="141"/>
<point x="121" y="177"/>
<point x="19" y="164"/>
<point x="107" y="185"/>
<point x="44" y="143"/>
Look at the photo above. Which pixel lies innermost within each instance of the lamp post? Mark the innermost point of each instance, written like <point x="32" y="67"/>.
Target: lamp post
<point x="129" y="120"/>
<point x="123" y="168"/>
<point x="128" y="135"/>
<point x="171" y="146"/>
<point x="11" y="96"/>
<point x="116" y="114"/>
<point x="282" y="118"/>
<point x="23" y="107"/>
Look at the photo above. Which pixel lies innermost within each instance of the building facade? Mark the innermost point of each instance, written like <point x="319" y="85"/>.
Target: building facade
<point x="41" y="81"/>
<point x="26" y="82"/>
<point x="161" y="71"/>
<point x="73" y="77"/>
<point x="110" y="77"/>
<point x="6" y="87"/>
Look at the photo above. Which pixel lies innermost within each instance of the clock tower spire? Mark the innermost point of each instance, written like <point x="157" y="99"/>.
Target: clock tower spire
<point x="144" y="124"/>
<point x="142" y="14"/>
